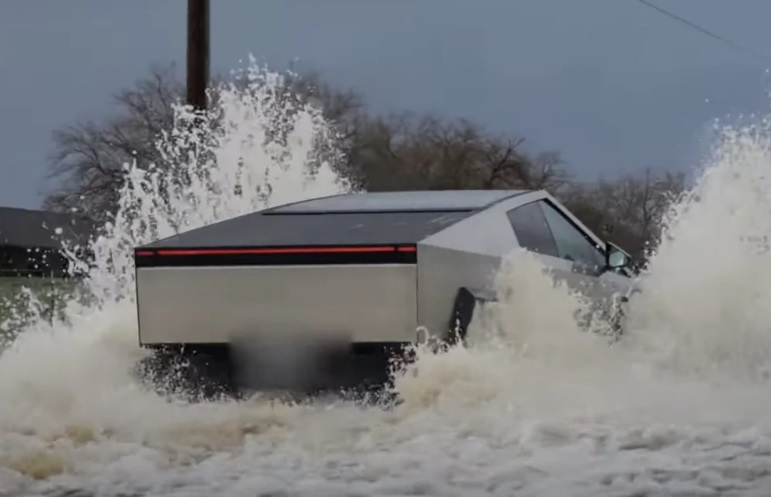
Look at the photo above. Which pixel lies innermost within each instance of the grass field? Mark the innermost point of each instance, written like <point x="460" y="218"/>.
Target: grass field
<point x="17" y="309"/>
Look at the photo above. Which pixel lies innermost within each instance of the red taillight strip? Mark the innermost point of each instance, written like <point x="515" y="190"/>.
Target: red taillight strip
<point x="285" y="250"/>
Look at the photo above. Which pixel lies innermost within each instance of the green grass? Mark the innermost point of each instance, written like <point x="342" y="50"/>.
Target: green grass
<point x="17" y="309"/>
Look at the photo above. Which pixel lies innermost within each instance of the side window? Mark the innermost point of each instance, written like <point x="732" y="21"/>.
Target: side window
<point x="571" y="243"/>
<point x="529" y="225"/>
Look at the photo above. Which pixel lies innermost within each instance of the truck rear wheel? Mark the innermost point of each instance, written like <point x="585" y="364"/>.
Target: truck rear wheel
<point x="209" y="372"/>
<point x="192" y="372"/>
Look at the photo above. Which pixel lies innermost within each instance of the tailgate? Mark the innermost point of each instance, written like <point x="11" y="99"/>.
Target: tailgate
<point x="215" y="304"/>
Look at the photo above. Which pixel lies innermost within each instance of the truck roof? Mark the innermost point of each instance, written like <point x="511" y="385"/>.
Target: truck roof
<point x="402" y="201"/>
<point x="351" y="219"/>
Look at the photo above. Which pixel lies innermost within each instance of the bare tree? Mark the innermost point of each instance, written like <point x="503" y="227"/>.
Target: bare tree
<point x="395" y="152"/>
<point x="406" y="151"/>
<point x="376" y="153"/>
<point x="89" y="157"/>
<point x="628" y="210"/>
<point x="342" y="109"/>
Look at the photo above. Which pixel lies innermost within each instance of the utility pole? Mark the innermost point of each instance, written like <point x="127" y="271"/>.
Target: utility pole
<point x="197" y="52"/>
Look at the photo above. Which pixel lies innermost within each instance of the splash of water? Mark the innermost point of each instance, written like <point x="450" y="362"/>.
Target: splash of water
<point x="705" y="308"/>
<point x="525" y="399"/>
<point x="253" y="149"/>
<point x="698" y="335"/>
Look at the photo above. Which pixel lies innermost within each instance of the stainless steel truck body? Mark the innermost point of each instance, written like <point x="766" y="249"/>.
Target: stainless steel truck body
<point x="366" y="271"/>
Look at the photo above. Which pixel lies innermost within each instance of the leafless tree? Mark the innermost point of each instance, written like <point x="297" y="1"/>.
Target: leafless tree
<point x="89" y="157"/>
<point x="407" y="151"/>
<point x="87" y="167"/>
<point x="373" y="152"/>
<point x="627" y="210"/>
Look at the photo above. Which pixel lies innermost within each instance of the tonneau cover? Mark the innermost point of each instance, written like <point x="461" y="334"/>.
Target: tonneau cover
<point x="286" y="230"/>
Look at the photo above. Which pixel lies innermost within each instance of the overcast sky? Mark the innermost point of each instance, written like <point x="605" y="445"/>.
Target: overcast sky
<point x="613" y="85"/>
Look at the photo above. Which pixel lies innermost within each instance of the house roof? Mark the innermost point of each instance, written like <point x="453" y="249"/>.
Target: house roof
<point x="42" y="229"/>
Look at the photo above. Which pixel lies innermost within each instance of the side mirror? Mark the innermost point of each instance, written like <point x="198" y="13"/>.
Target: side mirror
<point x="615" y="258"/>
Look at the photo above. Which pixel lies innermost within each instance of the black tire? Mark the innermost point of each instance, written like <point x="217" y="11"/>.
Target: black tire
<point x="467" y="303"/>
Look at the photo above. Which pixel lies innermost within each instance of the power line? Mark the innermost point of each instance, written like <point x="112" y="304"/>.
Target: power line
<point x="706" y="31"/>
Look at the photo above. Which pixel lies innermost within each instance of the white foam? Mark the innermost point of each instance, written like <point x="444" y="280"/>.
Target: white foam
<point x="534" y="406"/>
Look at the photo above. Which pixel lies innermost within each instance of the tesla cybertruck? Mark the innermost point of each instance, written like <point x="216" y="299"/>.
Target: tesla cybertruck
<point x="330" y="290"/>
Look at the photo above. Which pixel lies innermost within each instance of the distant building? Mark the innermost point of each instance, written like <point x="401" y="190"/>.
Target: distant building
<point x="31" y="241"/>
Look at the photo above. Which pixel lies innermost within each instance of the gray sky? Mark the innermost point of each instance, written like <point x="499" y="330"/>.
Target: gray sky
<point x="612" y="85"/>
